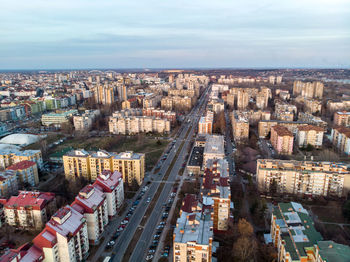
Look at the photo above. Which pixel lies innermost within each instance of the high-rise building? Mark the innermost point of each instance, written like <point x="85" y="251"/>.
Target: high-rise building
<point x="8" y="184"/>
<point x="309" y="135"/>
<point x="242" y="99"/>
<point x="26" y="172"/>
<point x="282" y="140"/>
<point x="214" y="148"/>
<point x="342" y="118"/>
<point x="240" y="127"/>
<point x="104" y="94"/>
<point x="340" y="137"/>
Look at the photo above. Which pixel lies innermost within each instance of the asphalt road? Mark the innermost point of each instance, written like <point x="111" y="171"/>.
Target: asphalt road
<point x="145" y="240"/>
<point x="127" y="234"/>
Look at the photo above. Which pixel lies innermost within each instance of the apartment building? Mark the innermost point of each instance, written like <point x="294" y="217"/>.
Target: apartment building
<point x="294" y="236"/>
<point x="240" y="127"/>
<point x="138" y="124"/>
<point x="308" y="89"/>
<point x="282" y="140"/>
<point x="26" y="172"/>
<point x="159" y="113"/>
<point x="216" y="105"/>
<point x="30" y="210"/>
<point x="92" y="203"/>
<point x="216" y="193"/>
<point x="9" y="157"/>
<point x="242" y="99"/>
<point x="312" y="106"/>
<point x="64" y="238"/>
<point x="8" y="183"/>
<point x="205" y="124"/>
<point x="341" y="118"/>
<point x="151" y="101"/>
<point x="284" y="116"/>
<point x="104" y="94"/>
<point x="57" y="119"/>
<point x="303" y="177"/>
<point x="340" y="137"/>
<point x="177" y="103"/>
<point x="79" y="163"/>
<point x="309" y="135"/>
<point x="84" y="121"/>
<point x="264" y="126"/>
<point x="214" y="148"/>
<point x="111" y="184"/>
<point x="193" y="235"/>
<point x="338" y="105"/>
<point x="311" y="119"/>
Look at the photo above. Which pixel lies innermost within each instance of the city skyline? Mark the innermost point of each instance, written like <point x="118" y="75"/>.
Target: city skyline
<point x="81" y="35"/>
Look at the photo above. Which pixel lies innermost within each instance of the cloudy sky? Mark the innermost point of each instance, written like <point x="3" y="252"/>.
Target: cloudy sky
<point x="52" y="34"/>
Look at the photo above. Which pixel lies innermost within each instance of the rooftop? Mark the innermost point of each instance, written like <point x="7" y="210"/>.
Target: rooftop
<point x="196" y="158"/>
<point x="21" y="165"/>
<point x="25" y="199"/>
<point x="331" y="251"/>
<point x="214" y="145"/>
<point x="281" y="130"/>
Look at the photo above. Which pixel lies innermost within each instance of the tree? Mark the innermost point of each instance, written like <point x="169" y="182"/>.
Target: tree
<point x="346" y="209"/>
<point x="244" y="248"/>
<point x="245" y="229"/>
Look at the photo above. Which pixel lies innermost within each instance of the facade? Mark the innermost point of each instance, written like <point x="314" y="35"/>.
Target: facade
<point x="159" y="113"/>
<point x="30" y="210"/>
<point x="242" y="99"/>
<point x="177" y="103"/>
<point x="205" y="124"/>
<point x="65" y="237"/>
<point x="303" y="177"/>
<point x="308" y="89"/>
<point x="282" y="140"/>
<point x="84" y="122"/>
<point x="214" y="148"/>
<point x="216" y="192"/>
<point x="312" y="120"/>
<point x="193" y="235"/>
<point x="57" y="119"/>
<point x="341" y="118"/>
<point x="264" y="126"/>
<point x="240" y="127"/>
<point x="10" y="157"/>
<point x="79" y="163"/>
<point x="8" y="184"/>
<point x="26" y="172"/>
<point x="138" y="124"/>
<point x="92" y="203"/>
<point x="340" y="137"/>
<point x="111" y="184"/>
<point x="312" y="106"/>
<point x="309" y="135"/>
<point x="104" y="94"/>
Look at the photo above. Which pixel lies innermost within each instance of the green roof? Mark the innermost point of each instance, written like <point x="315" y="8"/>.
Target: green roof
<point x="331" y="251"/>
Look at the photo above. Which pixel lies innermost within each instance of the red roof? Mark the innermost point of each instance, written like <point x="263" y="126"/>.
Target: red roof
<point x="36" y="200"/>
<point x="189" y="202"/>
<point x="108" y="181"/>
<point x="22" y="165"/>
<point x="45" y="239"/>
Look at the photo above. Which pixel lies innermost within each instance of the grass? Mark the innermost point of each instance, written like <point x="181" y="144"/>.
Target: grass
<point x="51" y="138"/>
<point x="331" y="213"/>
<point x="139" y="144"/>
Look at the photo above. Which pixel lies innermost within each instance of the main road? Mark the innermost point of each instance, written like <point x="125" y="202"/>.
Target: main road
<point x="127" y="234"/>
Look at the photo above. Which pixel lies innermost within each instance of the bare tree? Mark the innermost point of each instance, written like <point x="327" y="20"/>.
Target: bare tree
<point x="244" y="248"/>
<point x="245" y="229"/>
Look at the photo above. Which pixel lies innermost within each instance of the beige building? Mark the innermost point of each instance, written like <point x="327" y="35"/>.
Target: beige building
<point x="309" y="135"/>
<point x="340" y="137"/>
<point x="104" y="94"/>
<point x="312" y="120"/>
<point x="26" y="172"/>
<point x="341" y="118"/>
<point x="240" y="127"/>
<point x="84" y="122"/>
<point x="312" y="106"/>
<point x="242" y="99"/>
<point x="205" y="124"/>
<point x="174" y="103"/>
<point x="8" y="184"/>
<point x="193" y="235"/>
<point x="10" y="157"/>
<point x="79" y="163"/>
<point x="303" y="177"/>
<point x="30" y="210"/>
<point x="308" y="89"/>
<point x="57" y="119"/>
<point x="214" y="148"/>
<point x="336" y="105"/>
<point x="264" y="126"/>
<point x="284" y="116"/>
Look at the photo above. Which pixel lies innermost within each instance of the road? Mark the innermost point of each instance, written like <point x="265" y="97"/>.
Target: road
<point x="145" y="240"/>
<point x="127" y="234"/>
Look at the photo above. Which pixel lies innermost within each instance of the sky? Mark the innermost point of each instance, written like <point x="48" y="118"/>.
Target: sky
<point x="78" y="34"/>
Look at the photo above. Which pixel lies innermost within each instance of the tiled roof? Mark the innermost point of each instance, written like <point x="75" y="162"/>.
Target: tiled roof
<point x="22" y="165"/>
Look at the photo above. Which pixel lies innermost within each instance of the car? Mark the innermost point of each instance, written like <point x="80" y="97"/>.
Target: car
<point x="151" y="251"/>
<point x="155" y="242"/>
<point x="136" y="203"/>
<point x="159" y="231"/>
<point x="149" y="257"/>
<point x="167" y="208"/>
<point x="167" y="248"/>
<point x="165" y="254"/>
<point x="162" y="223"/>
<point x="120" y="228"/>
<point x="110" y="244"/>
<point x="160" y="226"/>
<point x="148" y="200"/>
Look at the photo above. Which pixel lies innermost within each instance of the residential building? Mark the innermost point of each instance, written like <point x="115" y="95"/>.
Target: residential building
<point x="242" y="99"/>
<point x="341" y="118"/>
<point x="104" y="94"/>
<point x="312" y="106"/>
<point x="30" y="210"/>
<point x="340" y="137"/>
<point x="193" y="235"/>
<point x="84" y="121"/>
<point x="214" y="148"/>
<point x="284" y="116"/>
<point x="111" y="184"/>
<point x="9" y="157"/>
<point x="89" y="165"/>
<point x="303" y="177"/>
<point x="92" y="203"/>
<point x="240" y="127"/>
<point x="195" y="162"/>
<point x="57" y="119"/>
<point x="65" y="237"/>
<point x="26" y="172"/>
<point x="282" y="140"/>
<point x="159" y="113"/>
<point x="264" y="126"/>
<point x="205" y="124"/>
<point x="309" y="135"/>
<point x="216" y="192"/>
<point x="311" y="119"/>
<point x="308" y="89"/>
<point x="8" y="184"/>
